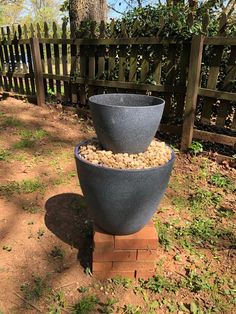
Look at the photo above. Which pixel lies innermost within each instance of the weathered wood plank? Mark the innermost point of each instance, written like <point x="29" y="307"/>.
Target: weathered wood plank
<point x="18" y="63"/>
<point x="7" y="60"/>
<point x="38" y="73"/>
<point x="120" y="84"/>
<point x="214" y="137"/>
<point x="57" y="62"/>
<point x="183" y="70"/>
<point x="29" y="60"/>
<point x="170" y="70"/>
<point x="49" y="56"/>
<point x="216" y="94"/>
<point x="23" y="59"/>
<point x="64" y="61"/>
<point x="214" y="69"/>
<point x="192" y="90"/>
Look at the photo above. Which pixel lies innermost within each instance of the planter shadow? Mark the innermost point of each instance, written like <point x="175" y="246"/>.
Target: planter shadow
<point x="66" y="217"/>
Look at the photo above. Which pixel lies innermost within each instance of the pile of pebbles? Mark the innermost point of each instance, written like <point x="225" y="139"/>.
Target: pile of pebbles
<point x="157" y="154"/>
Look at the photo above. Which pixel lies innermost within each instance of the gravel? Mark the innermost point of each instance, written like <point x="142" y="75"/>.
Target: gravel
<point x="157" y="154"/>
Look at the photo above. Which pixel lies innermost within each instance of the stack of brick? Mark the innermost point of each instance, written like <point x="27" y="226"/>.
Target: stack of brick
<point x="132" y="256"/>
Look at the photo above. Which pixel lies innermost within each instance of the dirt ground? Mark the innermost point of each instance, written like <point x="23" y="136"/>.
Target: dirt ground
<point x="45" y="232"/>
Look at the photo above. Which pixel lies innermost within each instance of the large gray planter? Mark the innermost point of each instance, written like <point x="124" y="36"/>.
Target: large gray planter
<point x="122" y="201"/>
<point x="126" y="122"/>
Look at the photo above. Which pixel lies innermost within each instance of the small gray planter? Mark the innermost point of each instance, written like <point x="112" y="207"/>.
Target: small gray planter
<point x="122" y="201"/>
<point x="126" y="122"/>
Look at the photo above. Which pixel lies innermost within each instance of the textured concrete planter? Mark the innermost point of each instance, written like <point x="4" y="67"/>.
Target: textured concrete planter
<point x="122" y="201"/>
<point x="126" y="122"/>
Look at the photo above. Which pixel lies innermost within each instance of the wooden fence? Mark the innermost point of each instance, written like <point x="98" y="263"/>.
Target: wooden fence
<point x="40" y="63"/>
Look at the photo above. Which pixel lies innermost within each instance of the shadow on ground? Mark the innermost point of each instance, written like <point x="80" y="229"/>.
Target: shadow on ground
<point x="66" y="216"/>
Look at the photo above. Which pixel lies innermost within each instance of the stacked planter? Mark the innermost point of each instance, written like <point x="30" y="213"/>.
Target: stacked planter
<point x="122" y="201"/>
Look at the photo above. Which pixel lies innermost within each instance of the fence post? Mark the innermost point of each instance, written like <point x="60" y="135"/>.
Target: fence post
<point x="192" y="90"/>
<point x="38" y="72"/>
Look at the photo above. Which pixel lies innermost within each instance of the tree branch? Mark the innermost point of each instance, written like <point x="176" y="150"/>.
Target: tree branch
<point x="115" y="10"/>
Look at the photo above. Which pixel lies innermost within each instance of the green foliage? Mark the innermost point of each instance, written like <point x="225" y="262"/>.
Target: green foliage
<point x="164" y="234"/>
<point x="25" y="186"/>
<point x="202" y="231"/>
<point x="195" y="148"/>
<point x="59" y="303"/>
<point x="158" y="284"/>
<point x="40" y="233"/>
<point x="131" y="309"/>
<point x="148" y="21"/>
<point x="222" y="181"/>
<point x="122" y="281"/>
<point x="57" y="252"/>
<point x="34" y="291"/>
<point x="109" y="306"/>
<point x="5" y="154"/>
<point x="196" y="282"/>
<point x="203" y="199"/>
<point x="29" y="138"/>
<point x="87" y="305"/>
<point x="11" y="122"/>
<point x="31" y="208"/>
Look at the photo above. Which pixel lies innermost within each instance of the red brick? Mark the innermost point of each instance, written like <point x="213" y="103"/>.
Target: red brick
<point x="147" y="255"/>
<point x="103" y="241"/>
<point x="102" y="266"/>
<point x="145" y="274"/>
<point x="128" y="266"/>
<point x="146" y="238"/>
<point x="112" y="274"/>
<point x="116" y="255"/>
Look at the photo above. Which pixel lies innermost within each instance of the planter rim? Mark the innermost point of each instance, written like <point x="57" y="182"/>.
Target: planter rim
<point x="76" y="151"/>
<point x="92" y="100"/>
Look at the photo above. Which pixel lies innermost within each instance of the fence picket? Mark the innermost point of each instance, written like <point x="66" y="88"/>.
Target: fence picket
<point x="24" y="63"/>
<point x="170" y="70"/>
<point x="217" y="53"/>
<point x="225" y="108"/>
<point x="57" y="61"/>
<point x="17" y="61"/>
<point x="101" y="53"/>
<point x="64" y="61"/>
<point x="4" y="82"/>
<point x="49" y="57"/>
<point x="112" y="55"/>
<point x="7" y="59"/>
<point x="29" y="59"/>
<point x="122" y="54"/>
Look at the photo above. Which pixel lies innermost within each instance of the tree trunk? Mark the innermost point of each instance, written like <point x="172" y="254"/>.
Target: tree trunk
<point x="82" y="10"/>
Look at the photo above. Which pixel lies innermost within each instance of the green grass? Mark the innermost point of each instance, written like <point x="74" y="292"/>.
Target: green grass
<point x="131" y="309"/>
<point x="57" y="252"/>
<point x="204" y="232"/>
<point x="221" y="181"/>
<point x="59" y="302"/>
<point x="31" y="208"/>
<point x="158" y="284"/>
<point x="5" y="155"/>
<point x="10" y="122"/>
<point x="180" y="202"/>
<point x="122" y="281"/>
<point x="163" y="230"/>
<point x="34" y="290"/>
<point x="87" y="305"/>
<point x="202" y="199"/>
<point x="25" y="186"/>
<point x="28" y="138"/>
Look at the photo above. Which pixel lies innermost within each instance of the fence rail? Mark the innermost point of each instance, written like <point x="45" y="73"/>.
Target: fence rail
<point x="195" y="77"/>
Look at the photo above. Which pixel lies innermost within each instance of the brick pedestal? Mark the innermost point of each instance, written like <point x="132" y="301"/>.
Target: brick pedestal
<point x="132" y="256"/>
